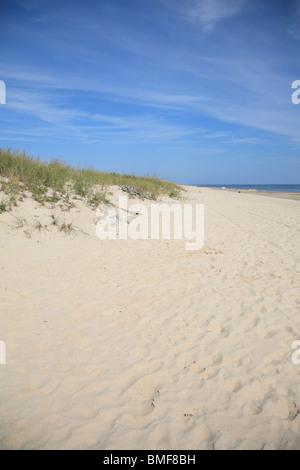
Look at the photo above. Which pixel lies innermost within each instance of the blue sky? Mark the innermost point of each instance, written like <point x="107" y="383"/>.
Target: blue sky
<point x="194" y="91"/>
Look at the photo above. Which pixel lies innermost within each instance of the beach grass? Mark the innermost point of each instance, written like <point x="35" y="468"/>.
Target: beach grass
<point x="53" y="182"/>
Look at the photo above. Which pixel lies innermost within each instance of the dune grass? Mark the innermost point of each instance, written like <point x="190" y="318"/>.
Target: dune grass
<point x="53" y="182"/>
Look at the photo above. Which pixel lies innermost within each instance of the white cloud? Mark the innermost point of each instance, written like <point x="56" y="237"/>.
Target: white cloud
<point x="86" y="127"/>
<point x="209" y="12"/>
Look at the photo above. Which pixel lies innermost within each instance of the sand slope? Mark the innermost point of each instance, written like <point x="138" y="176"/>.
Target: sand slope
<point x="144" y="345"/>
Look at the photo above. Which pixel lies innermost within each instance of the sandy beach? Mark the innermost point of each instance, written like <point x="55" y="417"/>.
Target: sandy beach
<point x="141" y="344"/>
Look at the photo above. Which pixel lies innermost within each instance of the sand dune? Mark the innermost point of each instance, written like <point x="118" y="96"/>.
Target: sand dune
<point x="144" y="345"/>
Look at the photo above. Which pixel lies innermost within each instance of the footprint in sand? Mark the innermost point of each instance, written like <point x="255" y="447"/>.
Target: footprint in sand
<point x="283" y="407"/>
<point x="87" y="411"/>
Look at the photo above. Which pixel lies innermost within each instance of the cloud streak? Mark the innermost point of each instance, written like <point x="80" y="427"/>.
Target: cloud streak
<point x="163" y="74"/>
<point x="210" y="12"/>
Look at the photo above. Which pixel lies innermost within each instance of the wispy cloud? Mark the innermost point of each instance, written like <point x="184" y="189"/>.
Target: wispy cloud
<point x="210" y="12"/>
<point x="244" y="97"/>
<point x="174" y="74"/>
<point x="38" y="105"/>
<point x="68" y="122"/>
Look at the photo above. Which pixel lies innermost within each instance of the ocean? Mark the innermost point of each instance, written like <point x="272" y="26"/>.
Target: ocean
<point x="266" y="188"/>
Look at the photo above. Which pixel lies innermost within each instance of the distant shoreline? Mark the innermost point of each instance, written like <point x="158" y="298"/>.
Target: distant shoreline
<point x="278" y="194"/>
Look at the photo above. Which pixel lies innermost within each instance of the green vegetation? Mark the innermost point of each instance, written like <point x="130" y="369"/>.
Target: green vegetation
<point x="53" y="182"/>
<point x="36" y="225"/>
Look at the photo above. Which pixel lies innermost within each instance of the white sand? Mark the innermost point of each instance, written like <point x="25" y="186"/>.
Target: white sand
<point x="144" y="345"/>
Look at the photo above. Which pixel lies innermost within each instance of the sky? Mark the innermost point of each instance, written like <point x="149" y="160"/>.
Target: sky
<point x="193" y="91"/>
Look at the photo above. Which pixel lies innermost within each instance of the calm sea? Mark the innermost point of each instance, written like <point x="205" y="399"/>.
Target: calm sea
<point x="269" y="188"/>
